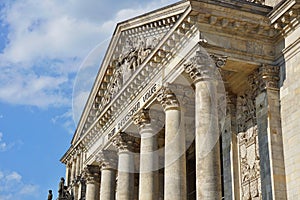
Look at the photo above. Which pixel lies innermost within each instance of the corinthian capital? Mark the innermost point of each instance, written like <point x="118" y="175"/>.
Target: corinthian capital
<point x="142" y="118"/>
<point x="269" y="77"/>
<point x="124" y="142"/>
<point x="167" y="99"/>
<point x="91" y="174"/>
<point x="201" y="67"/>
<point x="108" y="159"/>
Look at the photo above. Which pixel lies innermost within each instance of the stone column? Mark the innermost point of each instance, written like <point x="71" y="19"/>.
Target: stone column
<point x="273" y="183"/>
<point x="125" y="184"/>
<point x="76" y="183"/>
<point x="148" y="179"/>
<point x="73" y="169"/>
<point x="92" y="182"/>
<point x="175" y="162"/>
<point x="230" y="151"/>
<point x="108" y="160"/>
<point x="208" y="174"/>
<point x="68" y="174"/>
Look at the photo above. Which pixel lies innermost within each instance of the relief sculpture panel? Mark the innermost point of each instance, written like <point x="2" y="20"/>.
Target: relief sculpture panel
<point x="249" y="159"/>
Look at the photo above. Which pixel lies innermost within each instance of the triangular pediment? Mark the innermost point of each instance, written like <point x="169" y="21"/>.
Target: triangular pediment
<point x="132" y="43"/>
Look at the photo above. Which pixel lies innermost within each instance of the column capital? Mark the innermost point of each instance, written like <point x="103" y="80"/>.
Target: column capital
<point x="201" y="67"/>
<point x="108" y="159"/>
<point x="124" y="142"/>
<point x="142" y="118"/>
<point x="167" y="99"/>
<point x="266" y="77"/>
<point x="91" y="174"/>
<point x="269" y="77"/>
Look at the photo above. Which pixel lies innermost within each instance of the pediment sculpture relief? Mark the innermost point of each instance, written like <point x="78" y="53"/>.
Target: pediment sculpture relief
<point x="134" y="52"/>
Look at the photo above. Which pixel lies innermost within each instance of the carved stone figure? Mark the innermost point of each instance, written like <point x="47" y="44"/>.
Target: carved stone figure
<point x="61" y="188"/>
<point x="50" y="196"/>
<point x="248" y="146"/>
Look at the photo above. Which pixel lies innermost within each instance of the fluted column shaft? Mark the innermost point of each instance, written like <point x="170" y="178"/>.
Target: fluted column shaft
<point x="148" y="183"/>
<point x="175" y="162"/>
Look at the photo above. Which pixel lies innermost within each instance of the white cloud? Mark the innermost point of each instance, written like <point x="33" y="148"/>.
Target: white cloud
<point x="3" y="145"/>
<point x="13" y="176"/>
<point x="29" y="189"/>
<point x="12" y="187"/>
<point x="47" y="41"/>
<point x="66" y="120"/>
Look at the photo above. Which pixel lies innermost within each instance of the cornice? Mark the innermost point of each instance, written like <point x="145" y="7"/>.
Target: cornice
<point x="286" y="16"/>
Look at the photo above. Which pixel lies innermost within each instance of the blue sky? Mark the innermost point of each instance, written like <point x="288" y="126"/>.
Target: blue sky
<point x="47" y="49"/>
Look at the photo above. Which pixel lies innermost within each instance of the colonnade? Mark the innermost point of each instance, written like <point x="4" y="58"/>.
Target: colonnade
<point x="120" y="164"/>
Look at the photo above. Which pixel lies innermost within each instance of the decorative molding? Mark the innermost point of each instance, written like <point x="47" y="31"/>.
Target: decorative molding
<point x="260" y="2"/>
<point x="220" y="61"/>
<point x="167" y="99"/>
<point x="288" y="20"/>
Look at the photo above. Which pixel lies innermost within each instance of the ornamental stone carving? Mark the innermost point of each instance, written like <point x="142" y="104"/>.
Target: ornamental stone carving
<point x="124" y="142"/>
<point x="261" y="2"/>
<point x="248" y="141"/>
<point x="142" y="118"/>
<point x="108" y="159"/>
<point x="249" y="164"/>
<point x="201" y="66"/>
<point x="268" y="77"/>
<point x="167" y="98"/>
<point x="134" y="52"/>
<point x="91" y="174"/>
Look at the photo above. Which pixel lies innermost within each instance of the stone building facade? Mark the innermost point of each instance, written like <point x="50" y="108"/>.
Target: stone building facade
<point x="196" y="100"/>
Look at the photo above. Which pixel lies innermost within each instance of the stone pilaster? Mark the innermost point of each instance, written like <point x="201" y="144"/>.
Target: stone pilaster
<point x="273" y="183"/>
<point x="125" y="184"/>
<point x="208" y="174"/>
<point x="108" y="166"/>
<point x="175" y="162"/>
<point x="92" y="182"/>
<point x="148" y="177"/>
<point x="230" y="151"/>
